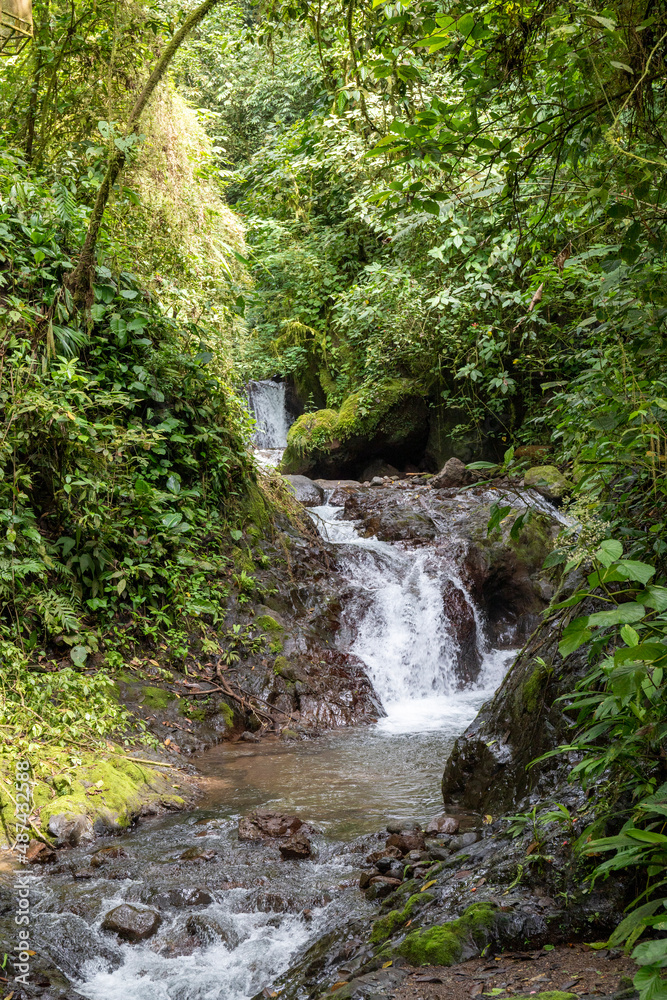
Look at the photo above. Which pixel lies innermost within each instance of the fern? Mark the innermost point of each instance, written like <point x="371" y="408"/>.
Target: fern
<point x="56" y="612"/>
<point x="64" y="202"/>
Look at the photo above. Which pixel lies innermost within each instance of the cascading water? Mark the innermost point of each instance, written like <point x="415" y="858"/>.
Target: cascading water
<point x="402" y="631"/>
<point x="267" y="403"/>
<point x="254" y="915"/>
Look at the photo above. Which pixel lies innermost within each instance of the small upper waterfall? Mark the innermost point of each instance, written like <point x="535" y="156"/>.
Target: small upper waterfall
<point x="267" y="403"/>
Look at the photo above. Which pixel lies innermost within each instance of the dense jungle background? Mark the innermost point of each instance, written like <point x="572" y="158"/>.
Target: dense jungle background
<point x="443" y="223"/>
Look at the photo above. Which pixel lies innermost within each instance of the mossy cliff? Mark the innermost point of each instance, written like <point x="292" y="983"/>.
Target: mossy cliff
<point x="390" y="423"/>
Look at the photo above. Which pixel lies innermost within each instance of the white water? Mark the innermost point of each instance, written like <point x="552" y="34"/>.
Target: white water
<point x="403" y="634"/>
<point x="346" y="783"/>
<point x="267" y="403"/>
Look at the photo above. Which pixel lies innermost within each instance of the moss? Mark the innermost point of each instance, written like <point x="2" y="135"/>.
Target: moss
<point x="385" y="926"/>
<point x="227" y="712"/>
<point x="191" y="711"/>
<point x="554" y="995"/>
<point x="312" y="430"/>
<point x="530" y="693"/>
<point x="534" y="542"/>
<point x="443" y="943"/>
<point x="269" y="625"/>
<point x="548" y="480"/>
<point x="283" y="668"/>
<point x="155" y="697"/>
<point x="243" y="562"/>
<point x="110" y="789"/>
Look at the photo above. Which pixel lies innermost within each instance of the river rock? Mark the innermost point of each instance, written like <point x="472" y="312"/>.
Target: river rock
<point x="210" y="932"/>
<point x="262" y="824"/>
<point x="70" y="831"/>
<point x="403" y="826"/>
<point x="548" y="481"/>
<point x="305" y="490"/>
<point x="453" y="473"/>
<point x="442" y="824"/>
<point x="406" y="842"/>
<point x="131" y="923"/>
<point x="384" y="864"/>
<point x="189" y="897"/>
<point x="106" y="854"/>
<point x="381" y="886"/>
<point x="39" y="853"/>
<point x="197" y="854"/>
<point x="296" y="848"/>
<point x="386" y="852"/>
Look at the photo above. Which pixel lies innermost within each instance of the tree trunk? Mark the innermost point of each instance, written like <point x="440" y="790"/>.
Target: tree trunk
<point x="80" y="280"/>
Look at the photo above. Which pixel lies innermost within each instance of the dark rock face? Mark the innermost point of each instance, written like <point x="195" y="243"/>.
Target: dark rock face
<point x="131" y="923"/>
<point x="487" y="769"/>
<point x="264" y="824"/>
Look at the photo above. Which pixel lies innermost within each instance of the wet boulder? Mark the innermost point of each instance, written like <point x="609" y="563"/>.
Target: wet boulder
<point x="40" y="853"/>
<point x="305" y="490"/>
<point x="442" y="824"/>
<point x="130" y="923"/>
<point x="264" y="824"/>
<point x="406" y="842"/>
<point x="452" y="474"/>
<point x="296" y="848"/>
<point x="69" y="830"/>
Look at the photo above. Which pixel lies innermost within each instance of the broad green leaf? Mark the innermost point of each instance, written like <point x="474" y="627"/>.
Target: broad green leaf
<point x="645" y="652"/>
<point x="629" y="636"/>
<point x="621" y="614"/>
<point x="654" y="597"/>
<point x="610" y="550"/>
<point x="78" y="655"/>
<point x="631" y="569"/>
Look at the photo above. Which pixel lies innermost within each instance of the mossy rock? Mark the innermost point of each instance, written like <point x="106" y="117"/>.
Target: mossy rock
<point x="110" y="791"/>
<point x="389" y="421"/>
<point x="385" y="926"/>
<point x="548" y="481"/>
<point x="157" y="698"/>
<point x="283" y="668"/>
<point x="550" y="995"/>
<point x="443" y="944"/>
<point x="268" y="624"/>
<point x="227" y="712"/>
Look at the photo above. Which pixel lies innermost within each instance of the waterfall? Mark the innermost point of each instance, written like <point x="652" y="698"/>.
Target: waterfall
<point x="402" y="630"/>
<point x="267" y="403"/>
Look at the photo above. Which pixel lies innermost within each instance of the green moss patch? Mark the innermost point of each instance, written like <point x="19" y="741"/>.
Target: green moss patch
<point x="155" y="697"/>
<point x="385" y="926"/>
<point x="269" y="625"/>
<point x="106" y="787"/>
<point x="227" y="712"/>
<point x="443" y="943"/>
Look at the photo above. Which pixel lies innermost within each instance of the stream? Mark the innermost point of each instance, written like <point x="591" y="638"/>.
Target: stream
<point x="235" y="915"/>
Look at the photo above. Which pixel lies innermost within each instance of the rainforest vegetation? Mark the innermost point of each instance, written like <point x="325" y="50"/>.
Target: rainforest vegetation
<point x="459" y="203"/>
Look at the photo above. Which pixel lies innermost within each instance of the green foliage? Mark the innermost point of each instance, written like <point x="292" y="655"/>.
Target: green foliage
<point x="622" y="729"/>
